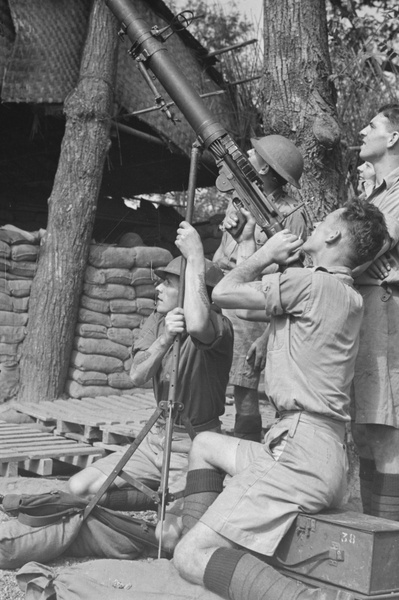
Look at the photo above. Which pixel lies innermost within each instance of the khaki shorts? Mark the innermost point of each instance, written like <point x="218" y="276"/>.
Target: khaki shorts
<point x="375" y="390"/>
<point x="146" y="462"/>
<point x="301" y="467"/>
<point x="245" y="333"/>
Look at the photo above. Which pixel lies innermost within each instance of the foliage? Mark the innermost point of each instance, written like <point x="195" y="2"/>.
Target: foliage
<point x="217" y="29"/>
<point x="364" y="48"/>
<point x="364" y="41"/>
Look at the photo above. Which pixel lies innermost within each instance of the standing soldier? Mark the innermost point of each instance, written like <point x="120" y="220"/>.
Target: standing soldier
<point x="278" y="162"/>
<point x="376" y="382"/>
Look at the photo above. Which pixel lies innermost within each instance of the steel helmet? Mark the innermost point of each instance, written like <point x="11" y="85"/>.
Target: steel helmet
<point x="281" y="155"/>
<point x="213" y="273"/>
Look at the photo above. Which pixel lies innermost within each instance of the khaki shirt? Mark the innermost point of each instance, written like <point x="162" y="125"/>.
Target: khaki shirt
<point x="203" y="372"/>
<point x="226" y="256"/>
<point x="314" y="335"/>
<point x="386" y="197"/>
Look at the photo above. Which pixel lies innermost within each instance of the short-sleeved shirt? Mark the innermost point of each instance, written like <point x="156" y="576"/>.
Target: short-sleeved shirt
<point x="296" y="223"/>
<point x="386" y="197"/>
<point x="314" y="331"/>
<point x="203" y="369"/>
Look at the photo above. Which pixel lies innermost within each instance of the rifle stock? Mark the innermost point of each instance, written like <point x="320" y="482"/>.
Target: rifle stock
<point x="235" y="171"/>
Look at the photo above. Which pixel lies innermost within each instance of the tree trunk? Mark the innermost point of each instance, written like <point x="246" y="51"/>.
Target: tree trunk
<point x="72" y="205"/>
<point x="299" y="97"/>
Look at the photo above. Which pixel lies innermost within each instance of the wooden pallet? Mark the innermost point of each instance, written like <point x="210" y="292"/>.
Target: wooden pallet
<point x="113" y="420"/>
<point x="82" y="420"/>
<point x="117" y="434"/>
<point x="24" y="447"/>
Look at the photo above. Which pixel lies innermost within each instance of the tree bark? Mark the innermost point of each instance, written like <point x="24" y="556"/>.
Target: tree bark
<point x="299" y="97"/>
<point x="57" y="286"/>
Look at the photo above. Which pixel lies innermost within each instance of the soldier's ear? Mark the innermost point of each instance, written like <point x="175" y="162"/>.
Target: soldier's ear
<point x="333" y="236"/>
<point x="393" y="139"/>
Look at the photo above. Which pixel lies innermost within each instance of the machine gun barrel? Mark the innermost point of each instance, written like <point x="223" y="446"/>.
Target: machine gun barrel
<point x="236" y="172"/>
<point x="155" y="54"/>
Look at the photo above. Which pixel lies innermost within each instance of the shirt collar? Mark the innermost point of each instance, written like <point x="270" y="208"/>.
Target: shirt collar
<point x="344" y="273"/>
<point x="388" y="181"/>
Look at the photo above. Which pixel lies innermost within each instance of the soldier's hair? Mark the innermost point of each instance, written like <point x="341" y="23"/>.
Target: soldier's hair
<point x="367" y="230"/>
<point x="391" y="112"/>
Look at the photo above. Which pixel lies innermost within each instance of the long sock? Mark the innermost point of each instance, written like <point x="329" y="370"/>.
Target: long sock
<point x="127" y="499"/>
<point x="385" y="498"/>
<point x="366" y="475"/>
<point x="203" y="486"/>
<point x="248" y="427"/>
<point x="237" y="575"/>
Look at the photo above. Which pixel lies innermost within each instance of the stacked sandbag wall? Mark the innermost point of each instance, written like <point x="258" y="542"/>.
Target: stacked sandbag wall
<point x="118" y="294"/>
<point x="19" y="253"/>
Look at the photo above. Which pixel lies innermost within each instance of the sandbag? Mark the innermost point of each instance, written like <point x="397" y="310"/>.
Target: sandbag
<point x="25" y="252"/>
<point x="123" y="306"/>
<point x="4" y="265"/>
<point x="12" y="335"/>
<point x="8" y="349"/>
<point x="102" y="276"/>
<point x="120" y="335"/>
<point x="123" y="320"/>
<point x="5" y="250"/>
<point x="106" y="256"/>
<point x="23" y="268"/>
<point x="95" y="318"/>
<point x="142" y="275"/>
<point x="13" y="319"/>
<point x="19" y="288"/>
<point x="91" y="331"/>
<point x="94" y="304"/>
<point x="110" y="580"/>
<point x="6" y="302"/>
<point x="104" y="347"/>
<point x="21" y="305"/>
<point x="120" y="381"/>
<point x="14" y="235"/>
<point x="108" y="291"/>
<point x="146" y="290"/>
<point x="9" y="379"/>
<point x="88" y="377"/>
<point x="145" y="306"/>
<point x="75" y="390"/>
<point x="96" y="362"/>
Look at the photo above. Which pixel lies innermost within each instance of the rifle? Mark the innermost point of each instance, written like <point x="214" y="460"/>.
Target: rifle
<point x="236" y="173"/>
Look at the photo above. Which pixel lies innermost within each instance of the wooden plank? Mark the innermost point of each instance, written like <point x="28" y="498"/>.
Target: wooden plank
<point x="42" y="466"/>
<point x="41" y="410"/>
<point x="9" y="469"/>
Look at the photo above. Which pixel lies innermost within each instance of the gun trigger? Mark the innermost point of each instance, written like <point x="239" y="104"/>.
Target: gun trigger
<point x="237" y="203"/>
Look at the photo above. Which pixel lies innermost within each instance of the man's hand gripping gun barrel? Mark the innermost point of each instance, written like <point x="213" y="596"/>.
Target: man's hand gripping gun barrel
<point x="236" y="174"/>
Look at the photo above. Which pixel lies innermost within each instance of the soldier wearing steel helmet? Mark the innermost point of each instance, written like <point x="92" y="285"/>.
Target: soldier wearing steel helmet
<point x="278" y="162"/>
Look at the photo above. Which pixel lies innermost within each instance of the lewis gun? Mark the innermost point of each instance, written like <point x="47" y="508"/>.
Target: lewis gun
<point x="236" y="174"/>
